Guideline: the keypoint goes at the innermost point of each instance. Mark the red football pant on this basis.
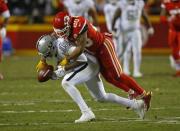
(0, 48)
(174, 43)
(111, 69)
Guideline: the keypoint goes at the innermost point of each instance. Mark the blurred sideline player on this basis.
(58, 5)
(85, 69)
(85, 8)
(109, 10)
(4, 11)
(130, 12)
(172, 8)
(81, 32)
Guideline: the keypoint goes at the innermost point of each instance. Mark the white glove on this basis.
(151, 31)
(3, 32)
(60, 72)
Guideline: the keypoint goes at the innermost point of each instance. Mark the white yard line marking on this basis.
(102, 120)
(68, 110)
(26, 102)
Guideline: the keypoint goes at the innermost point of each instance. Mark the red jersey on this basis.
(95, 38)
(173, 9)
(3, 6)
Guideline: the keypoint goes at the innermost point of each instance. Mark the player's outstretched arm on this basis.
(80, 46)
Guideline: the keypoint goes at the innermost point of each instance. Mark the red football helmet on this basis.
(62, 24)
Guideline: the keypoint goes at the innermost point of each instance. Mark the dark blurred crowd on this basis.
(37, 9)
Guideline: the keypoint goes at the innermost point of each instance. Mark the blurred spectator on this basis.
(37, 11)
(18, 8)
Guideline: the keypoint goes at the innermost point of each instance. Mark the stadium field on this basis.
(27, 105)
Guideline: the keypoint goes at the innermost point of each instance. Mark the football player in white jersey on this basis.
(131, 12)
(109, 10)
(85, 8)
(84, 70)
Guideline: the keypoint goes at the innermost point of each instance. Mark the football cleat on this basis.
(1, 77)
(138, 107)
(137, 75)
(172, 62)
(147, 100)
(86, 116)
(177, 74)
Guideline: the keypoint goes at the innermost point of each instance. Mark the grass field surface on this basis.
(27, 105)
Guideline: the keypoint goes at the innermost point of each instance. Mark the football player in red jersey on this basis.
(172, 8)
(87, 38)
(4, 11)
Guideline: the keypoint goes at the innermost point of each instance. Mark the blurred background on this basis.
(32, 18)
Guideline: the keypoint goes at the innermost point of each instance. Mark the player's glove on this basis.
(3, 32)
(64, 62)
(151, 31)
(60, 72)
(41, 65)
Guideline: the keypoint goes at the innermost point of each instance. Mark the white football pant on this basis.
(133, 46)
(94, 84)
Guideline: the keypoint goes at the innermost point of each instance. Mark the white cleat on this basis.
(139, 108)
(172, 62)
(137, 75)
(1, 77)
(86, 116)
(127, 72)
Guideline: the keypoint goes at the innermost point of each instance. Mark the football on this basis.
(45, 73)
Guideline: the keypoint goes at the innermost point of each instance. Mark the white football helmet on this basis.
(44, 46)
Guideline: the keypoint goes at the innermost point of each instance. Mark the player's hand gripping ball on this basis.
(45, 73)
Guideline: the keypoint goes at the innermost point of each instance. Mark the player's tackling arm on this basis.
(80, 46)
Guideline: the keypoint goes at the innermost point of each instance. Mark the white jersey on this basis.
(131, 14)
(109, 11)
(80, 9)
(86, 71)
(63, 48)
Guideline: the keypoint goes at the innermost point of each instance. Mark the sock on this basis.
(120, 85)
(126, 61)
(110, 97)
(137, 62)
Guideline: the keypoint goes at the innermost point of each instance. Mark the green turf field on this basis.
(26, 105)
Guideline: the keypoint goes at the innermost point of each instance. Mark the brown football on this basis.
(45, 73)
